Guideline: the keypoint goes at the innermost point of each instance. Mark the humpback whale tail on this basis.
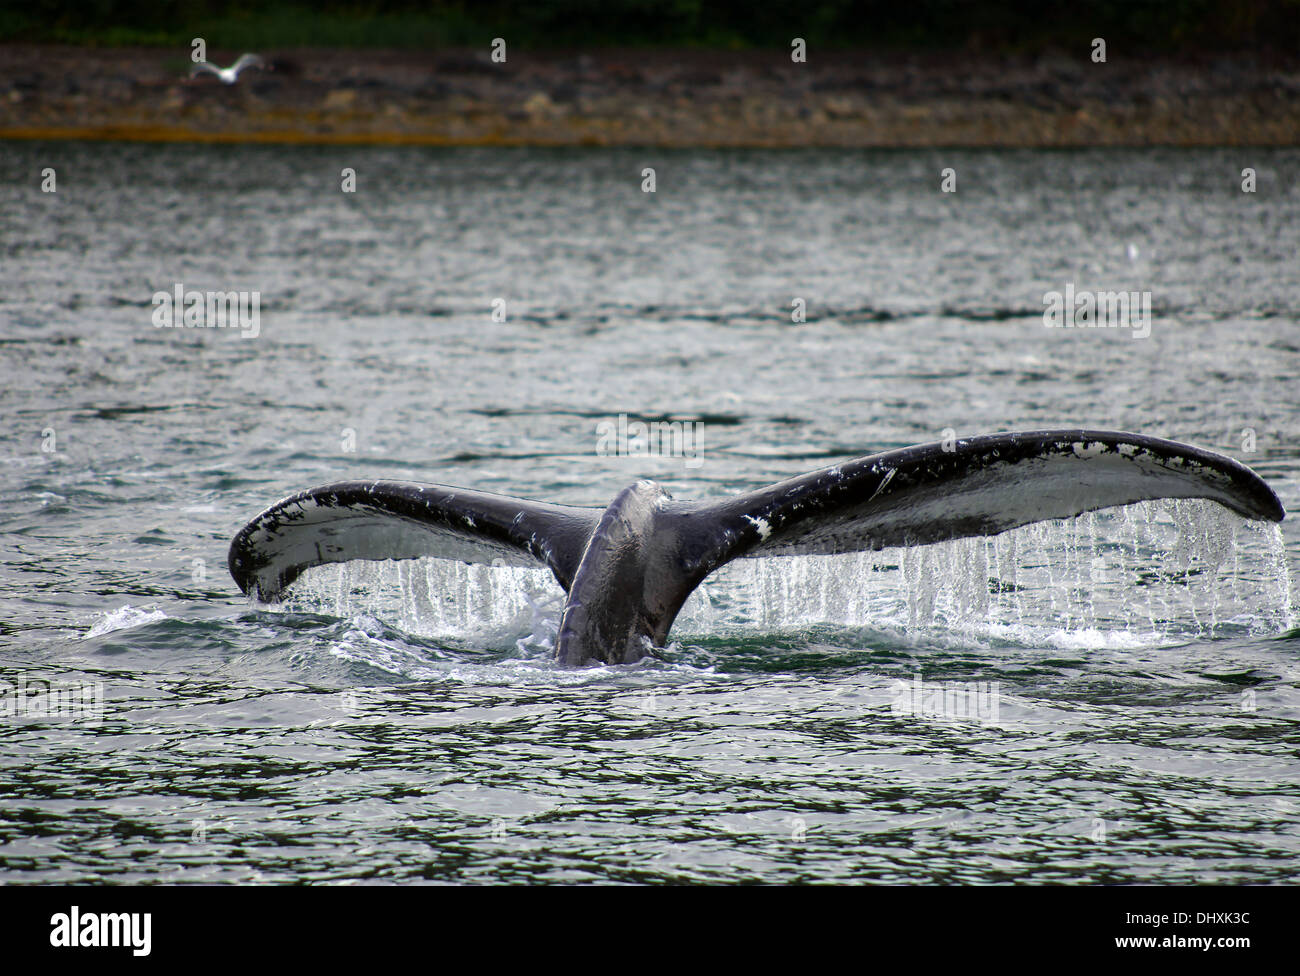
(627, 569)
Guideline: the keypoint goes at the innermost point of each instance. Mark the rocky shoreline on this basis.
(661, 98)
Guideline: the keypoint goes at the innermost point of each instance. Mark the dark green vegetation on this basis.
(1021, 25)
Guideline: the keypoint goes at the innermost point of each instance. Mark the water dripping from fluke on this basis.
(1147, 574)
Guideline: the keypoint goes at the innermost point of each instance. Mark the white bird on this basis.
(228, 75)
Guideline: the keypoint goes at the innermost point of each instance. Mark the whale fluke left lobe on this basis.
(401, 520)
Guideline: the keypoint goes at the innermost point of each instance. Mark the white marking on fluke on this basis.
(886, 480)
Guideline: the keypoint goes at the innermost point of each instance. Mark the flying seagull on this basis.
(231, 74)
(627, 569)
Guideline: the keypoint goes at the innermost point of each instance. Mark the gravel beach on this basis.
(664, 98)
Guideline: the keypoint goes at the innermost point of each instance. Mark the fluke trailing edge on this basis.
(628, 569)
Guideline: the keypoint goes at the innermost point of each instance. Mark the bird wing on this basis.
(247, 61)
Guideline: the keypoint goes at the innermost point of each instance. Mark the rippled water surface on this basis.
(1111, 699)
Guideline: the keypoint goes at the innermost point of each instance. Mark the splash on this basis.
(124, 617)
(1152, 572)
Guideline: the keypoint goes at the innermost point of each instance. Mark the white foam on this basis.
(123, 618)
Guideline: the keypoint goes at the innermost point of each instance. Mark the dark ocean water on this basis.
(1111, 699)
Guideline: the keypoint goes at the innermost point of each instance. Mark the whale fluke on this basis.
(627, 569)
